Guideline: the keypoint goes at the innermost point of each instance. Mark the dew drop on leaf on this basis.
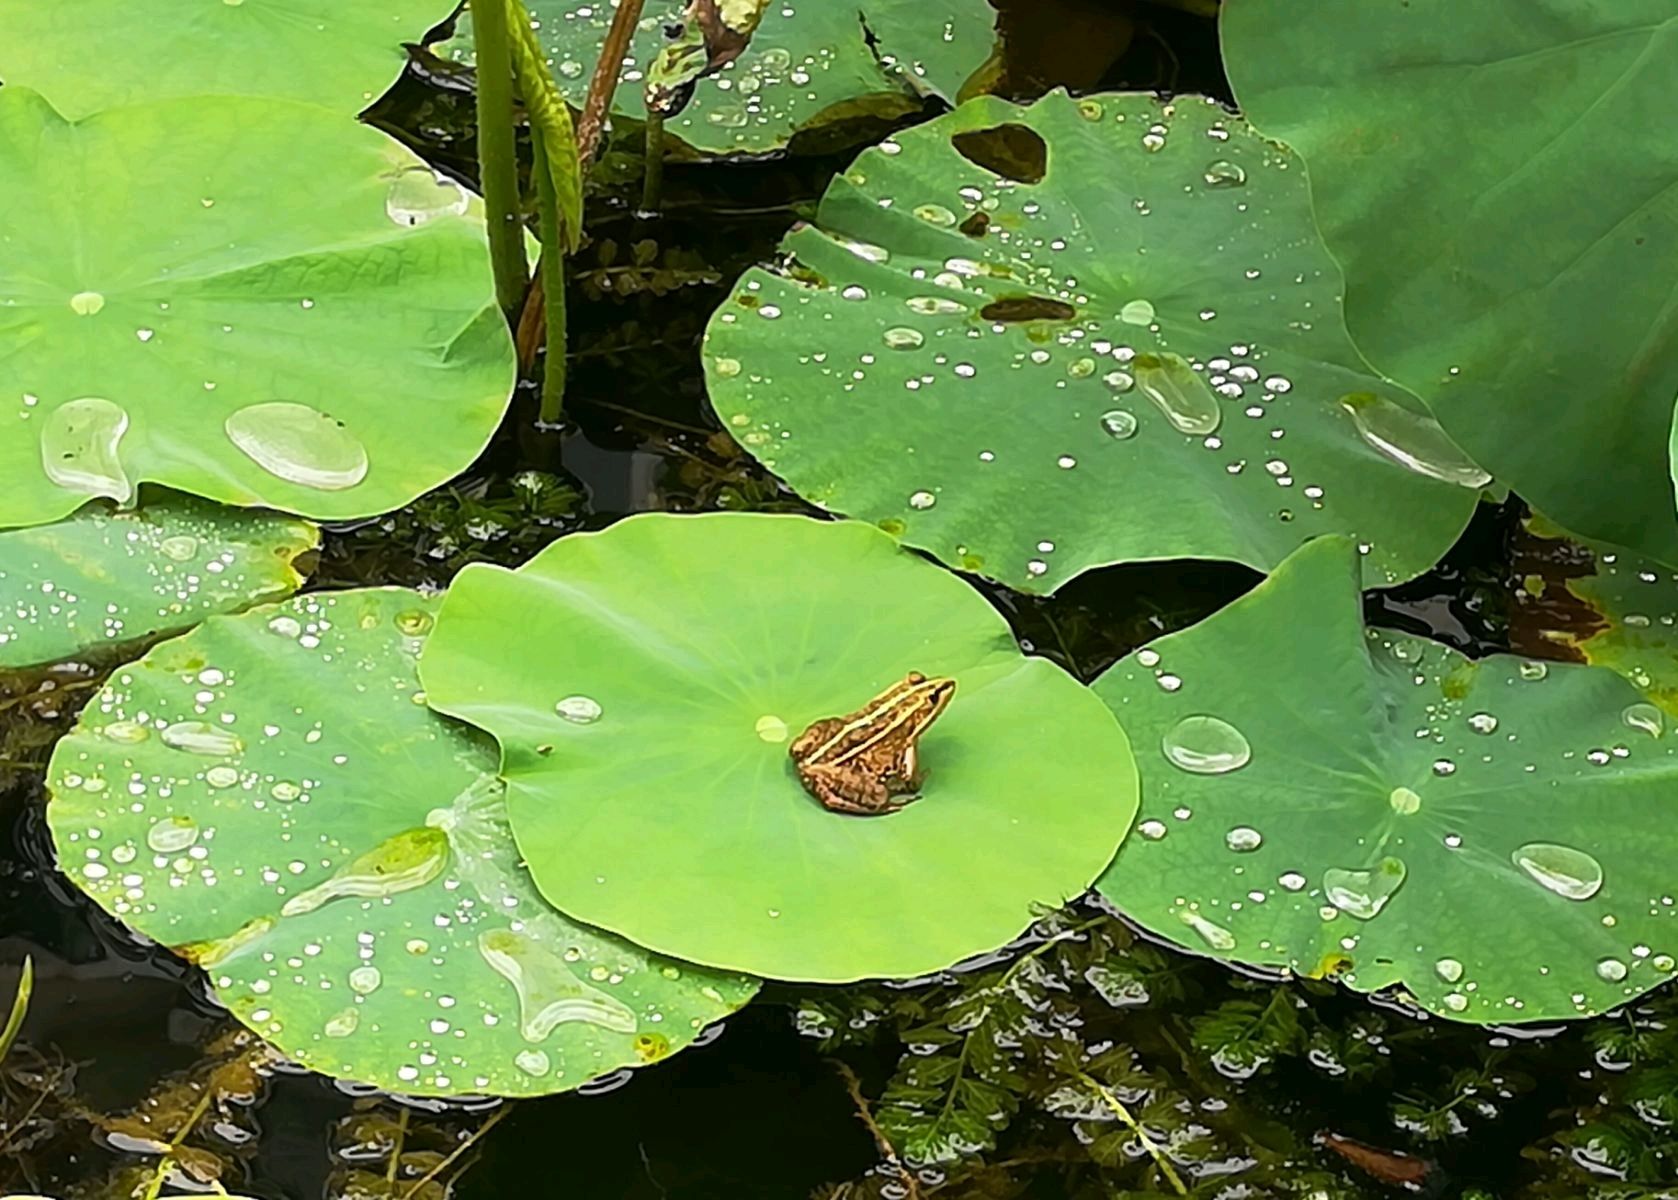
(172, 834)
(549, 994)
(1179, 392)
(299, 444)
(1137, 312)
(1213, 934)
(1206, 745)
(79, 448)
(579, 710)
(1448, 969)
(1611, 969)
(1644, 717)
(1563, 870)
(200, 737)
(1364, 893)
(902, 337)
(1412, 440)
(1118, 424)
(1243, 839)
(1224, 174)
(418, 195)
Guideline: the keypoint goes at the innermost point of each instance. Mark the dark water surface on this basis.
(1265, 1088)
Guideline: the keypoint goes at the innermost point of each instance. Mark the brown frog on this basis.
(863, 762)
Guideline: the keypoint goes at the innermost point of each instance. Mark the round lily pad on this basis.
(809, 62)
(1539, 330)
(646, 683)
(336, 363)
(1036, 340)
(1494, 836)
(108, 578)
(89, 55)
(269, 796)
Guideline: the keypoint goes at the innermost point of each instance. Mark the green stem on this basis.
(552, 267)
(652, 182)
(498, 169)
(20, 1006)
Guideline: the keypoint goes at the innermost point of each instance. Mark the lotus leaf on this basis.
(1139, 355)
(1495, 836)
(336, 363)
(269, 796)
(104, 578)
(810, 62)
(88, 55)
(1539, 328)
(645, 684)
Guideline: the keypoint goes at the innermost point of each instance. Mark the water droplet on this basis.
(922, 500)
(1611, 969)
(79, 448)
(1292, 881)
(533, 1062)
(1213, 934)
(1412, 440)
(299, 444)
(182, 547)
(1243, 839)
(1168, 682)
(1119, 424)
(1443, 767)
(549, 994)
(1561, 869)
(1483, 722)
(1152, 830)
(1645, 717)
(1179, 392)
(172, 834)
(934, 306)
(405, 861)
(579, 710)
(1404, 801)
(729, 116)
(1534, 671)
(364, 981)
(1455, 1001)
(1448, 969)
(220, 777)
(1066, 462)
(1206, 745)
(128, 733)
(1363, 894)
(200, 737)
(419, 194)
(902, 337)
(288, 627)
(285, 791)
(1137, 312)
(726, 368)
(341, 1024)
(1222, 173)
(935, 214)
(771, 728)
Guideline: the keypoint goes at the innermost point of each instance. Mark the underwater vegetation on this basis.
(867, 600)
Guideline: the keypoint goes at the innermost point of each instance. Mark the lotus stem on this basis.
(652, 182)
(20, 1006)
(550, 269)
(498, 172)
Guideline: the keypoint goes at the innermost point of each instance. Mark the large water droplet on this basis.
(1412, 440)
(1119, 424)
(1448, 969)
(401, 863)
(127, 732)
(80, 441)
(533, 1062)
(579, 710)
(1137, 312)
(1206, 745)
(419, 195)
(364, 981)
(172, 834)
(922, 500)
(1178, 391)
(549, 994)
(200, 737)
(1243, 839)
(1213, 934)
(1224, 174)
(1644, 717)
(1362, 894)
(1562, 869)
(1611, 969)
(299, 444)
(935, 214)
(902, 337)
(341, 1024)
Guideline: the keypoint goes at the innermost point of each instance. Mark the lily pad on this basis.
(105, 578)
(336, 363)
(810, 62)
(1494, 836)
(269, 796)
(1137, 356)
(89, 55)
(646, 682)
(1540, 331)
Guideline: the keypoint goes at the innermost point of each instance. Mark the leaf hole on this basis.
(1028, 308)
(1011, 151)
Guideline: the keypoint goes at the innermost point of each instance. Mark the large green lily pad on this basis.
(269, 796)
(336, 363)
(645, 683)
(89, 55)
(1495, 836)
(1540, 329)
(809, 63)
(1140, 356)
(104, 578)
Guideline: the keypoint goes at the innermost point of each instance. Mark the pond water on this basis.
(1251, 1086)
